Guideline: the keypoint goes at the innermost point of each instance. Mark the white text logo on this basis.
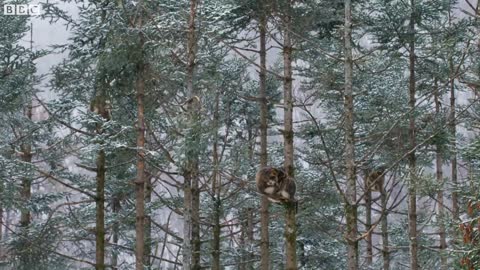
(22, 10)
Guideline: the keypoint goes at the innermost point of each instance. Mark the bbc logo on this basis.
(22, 10)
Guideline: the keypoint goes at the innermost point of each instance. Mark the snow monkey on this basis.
(276, 185)
(375, 179)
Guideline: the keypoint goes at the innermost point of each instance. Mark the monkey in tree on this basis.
(375, 179)
(276, 185)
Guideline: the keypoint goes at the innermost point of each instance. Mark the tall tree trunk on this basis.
(412, 196)
(385, 248)
(215, 192)
(264, 237)
(242, 242)
(115, 231)
(351, 192)
(453, 128)
(148, 226)
(439, 175)
(453, 131)
(249, 236)
(191, 245)
(25, 193)
(216, 235)
(1, 218)
(140, 178)
(1, 226)
(290, 219)
(368, 221)
(100, 213)
(99, 106)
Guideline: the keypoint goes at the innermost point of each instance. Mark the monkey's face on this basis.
(272, 179)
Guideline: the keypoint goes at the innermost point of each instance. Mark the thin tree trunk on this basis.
(8, 222)
(290, 219)
(140, 179)
(216, 195)
(216, 235)
(368, 221)
(196, 219)
(191, 245)
(187, 223)
(1, 227)
(385, 249)
(351, 192)
(242, 242)
(1, 220)
(412, 196)
(453, 131)
(99, 106)
(251, 140)
(471, 177)
(196, 223)
(148, 226)
(250, 232)
(291, 236)
(100, 213)
(25, 193)
(439, 175)
(264, 215)
(115, 231)
(25, 215)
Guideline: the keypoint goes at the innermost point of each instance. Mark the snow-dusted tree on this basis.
(26, 148)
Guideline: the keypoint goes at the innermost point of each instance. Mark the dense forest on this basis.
(140, 148)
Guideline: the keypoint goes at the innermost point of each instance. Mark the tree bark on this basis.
(385, 249)
(8, 222)
(115, 231)
(215, 192)
(148, 226)
(191, 244)
(453, 131)
(140, 178)
(216, 235)
(99, 106)
(351, 192)
(412, 196)
(1, 226)
(25, 193)
(242, 265)
(290, 207)
(100, 213)
(264, 214)
(439, 176)
(249, 236)
(1, 219)
(368, 221)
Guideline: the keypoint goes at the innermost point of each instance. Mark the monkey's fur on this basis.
(276, 185)
(375, 180)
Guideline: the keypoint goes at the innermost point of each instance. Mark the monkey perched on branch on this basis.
(276, 185)
(375, 180)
